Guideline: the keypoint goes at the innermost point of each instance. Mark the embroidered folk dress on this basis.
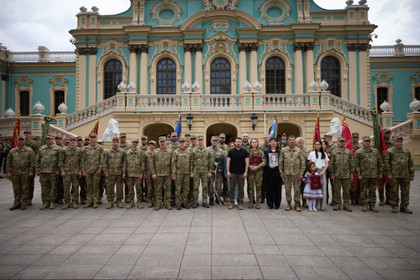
(309, 193)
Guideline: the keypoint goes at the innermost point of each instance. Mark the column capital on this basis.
(4, 77)
(298, 46)
(253, 46)
(243, 46)
(309, 46)
(133, 48)
(198, 47)
(84, 51)
(352, 47)
(144, 48)
(188, 47)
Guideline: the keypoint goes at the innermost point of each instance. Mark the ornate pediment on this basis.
(220, 4)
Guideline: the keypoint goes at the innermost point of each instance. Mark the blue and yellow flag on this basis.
(273, 129)
(178, 128)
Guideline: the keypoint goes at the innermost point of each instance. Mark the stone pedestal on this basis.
(415, 131)
(61, 120)
(314, 100)
(325, 100)
(36, 124)
(130, 101)
(195, 101)
(186, 101)
(258, 100)
(120, 101)
(387, 119)
(247, 101)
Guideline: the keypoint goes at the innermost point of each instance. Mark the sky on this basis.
(27, 24)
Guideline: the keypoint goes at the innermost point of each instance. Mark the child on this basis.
(313, 187)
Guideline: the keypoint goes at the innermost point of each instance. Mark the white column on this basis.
(298, 68)
(133, 64)
(352, 74)
(253, 64)
(199, 65)
(242, 66)
(188, 65)
(144, 71)
(309, 64)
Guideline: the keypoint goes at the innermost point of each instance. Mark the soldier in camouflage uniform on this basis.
(47, 167)
(125, 146)
(181, 174)
(160, 168)
(70, 166)
(112, 167)
(192, 146)
(342, 171)
(20, 166)
(60, 185)
(174, 143)
(301, 145)
(202, 162)
(329, 148)
(255, 173)
(219, 158)
(92, 169)
(222, 144)
(133, 170)
(368, 164)
(34, 146)
(355, 195)
(400, 170)
(144, 147)
(150, 183)
(82, 179)
(385, 191)
(292, 166)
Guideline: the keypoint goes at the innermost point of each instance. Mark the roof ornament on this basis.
(220, 4)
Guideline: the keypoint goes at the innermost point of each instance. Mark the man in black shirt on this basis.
(237, 169)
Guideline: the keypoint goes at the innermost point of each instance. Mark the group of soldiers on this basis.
(170, 172)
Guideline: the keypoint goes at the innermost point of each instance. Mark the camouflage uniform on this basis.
(329, 149)
(91, 163)
(218, 156)
(368, 164)
(292, 164)
(355, 195)
(34, 146)
(399, 164)
(202, 162)
(60, 184)
(385, 191)
(160, 164)
(20, 162)
(150, 184)
(82, 181)
(342, 168)
(225, 149)
(134, 165)
(255, 177)
(47, 163)
(125, 147)
(112, 166)
(70, 162)
(143, 182)
(181, 169)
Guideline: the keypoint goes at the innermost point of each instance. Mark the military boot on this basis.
(168, 206)
(95, 204)
(178, 207)
(257, 204)
(87, 205)
(66, 206)
(211, 201)
(373, 208)
(74, 205)
(289, 206)
(23, 206)
(240, 206)
(119, 204)
(230, 206)
(52, 205)
(150, 204)
(337, 207)
(406, 210)
(127, 200)
(297, 207)
(194, 205)
(29, 202)
(158, 206)
(364, 208)
(45, 205)
(110, 205)
(394, 210)
(347, 207)
(206, 205)
(251, 204)
(130, 205)
(139, 205)
(14, 207)
(305, 203)
(381, 202)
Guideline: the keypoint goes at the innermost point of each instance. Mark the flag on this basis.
(95, 128)
(349, 145)
(317, 134)
(178, 128)
(45, 128)
(272, 133)
(379, 143)
(16, 132)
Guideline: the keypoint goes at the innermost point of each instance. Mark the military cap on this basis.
(123, 134)
(174, 134)
(187, 134)
(193, 136)
(214, 138)
(58, 137)
(327, 136)
(100, 141)
(143, 137)
(355, 134)
(21, 137)
(284, 134)
(152, 142)
(366, 138)
(135, 140)
(182, 139)
(28, 131)
(115, 138)
(387, 130)
(79, 138)
(222, 135)
(67, 139)
(200, 137)
(87, 138)
(398, 138)
(162, 138)
(72, 138)
(93, 135)
(341, 139)
(49, 136)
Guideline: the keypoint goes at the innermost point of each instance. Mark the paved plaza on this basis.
(214, 243)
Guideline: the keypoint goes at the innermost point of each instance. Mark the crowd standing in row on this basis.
(80, 170)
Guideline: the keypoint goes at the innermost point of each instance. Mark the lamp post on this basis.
(254, 120)
(189, 121)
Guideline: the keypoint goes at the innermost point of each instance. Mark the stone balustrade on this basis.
(350, 109)
(158, 103)
(288, 102)
(403, 129)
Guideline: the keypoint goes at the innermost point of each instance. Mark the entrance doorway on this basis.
(290, 129)
(216, 129)
(153, 131)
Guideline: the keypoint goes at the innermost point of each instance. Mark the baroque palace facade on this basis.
(194, 58)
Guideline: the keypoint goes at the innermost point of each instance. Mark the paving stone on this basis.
(195, 272)
(114, 272)
(34, 272)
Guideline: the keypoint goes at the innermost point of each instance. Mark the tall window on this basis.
(220, 76)
(58, 99)
(113, 76)
(275, 76)
(24, 103)
(330, 72)
(166, 77)
(417, 93)
(381, 96)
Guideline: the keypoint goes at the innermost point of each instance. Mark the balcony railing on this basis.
(387, 51)
(48, 57)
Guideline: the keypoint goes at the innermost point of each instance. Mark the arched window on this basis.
(220, 76)
(58, 99)
(112, 77)
(330, 72)
(166, 77)
(24, 103)
(275, 76)
(381, 96)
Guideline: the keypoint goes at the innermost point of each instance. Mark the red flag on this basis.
(349, 145)
(16, 132)
(317, 134)
(95, 128)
